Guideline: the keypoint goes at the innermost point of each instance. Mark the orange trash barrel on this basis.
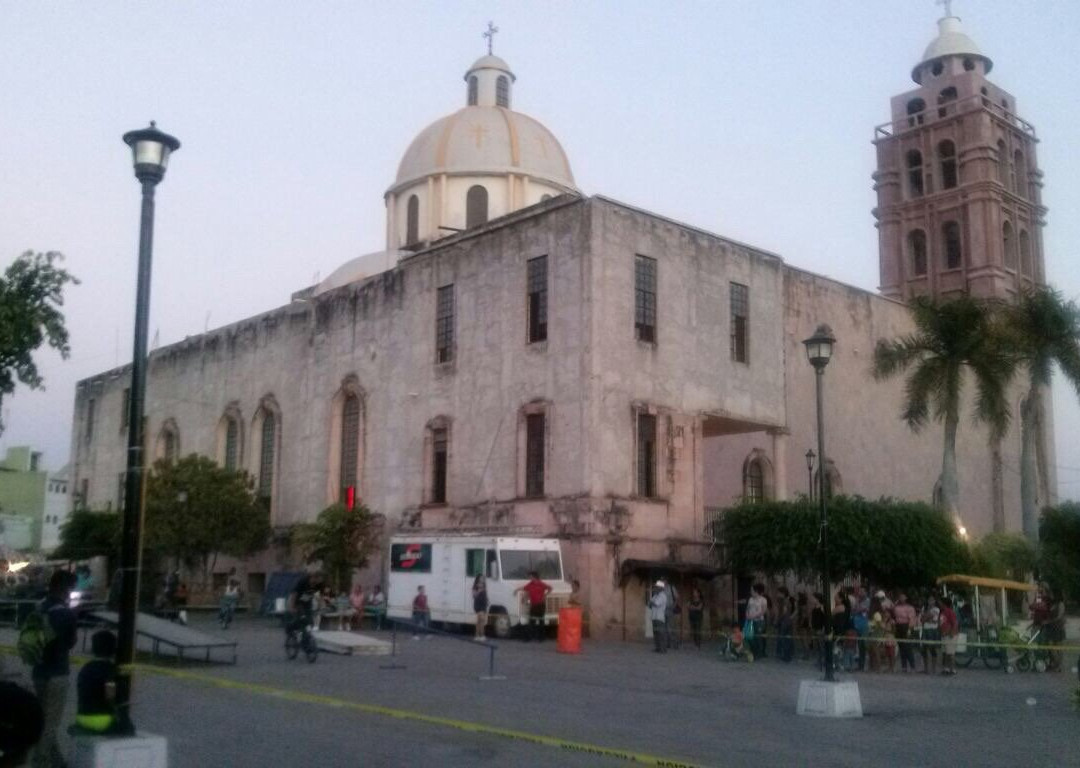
(569, 637)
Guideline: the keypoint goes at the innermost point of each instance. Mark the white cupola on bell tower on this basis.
(479, 163)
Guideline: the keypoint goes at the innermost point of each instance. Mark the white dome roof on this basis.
(482, 140)
(490, 62)
(359, 268)
(951, 41)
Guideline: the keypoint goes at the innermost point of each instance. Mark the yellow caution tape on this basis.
(629, 756)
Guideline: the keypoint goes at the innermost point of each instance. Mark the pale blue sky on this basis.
(749, 119)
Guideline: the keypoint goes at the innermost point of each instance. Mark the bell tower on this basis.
(958, 186)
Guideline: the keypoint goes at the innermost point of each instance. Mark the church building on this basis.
(523, 357)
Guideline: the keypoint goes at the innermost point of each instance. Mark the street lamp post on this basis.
(150, 153)
(810, 472)
(819, 349)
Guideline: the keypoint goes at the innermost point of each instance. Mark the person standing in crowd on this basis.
(930, 619)
(785, 623)
(480, 605)
(673, 608)
(875, 651)
(658, 614)
(1055, 628)
(356, 602)
(695, 610)
(421, 614)
(802, 625)
(50, 673)
(905, 619)
(96, 686)
(376, 602)
(842, 632)
(860, 621)
(949, 627)
(537, 592)
(756, 607)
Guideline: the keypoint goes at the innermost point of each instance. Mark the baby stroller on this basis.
(1029, 656)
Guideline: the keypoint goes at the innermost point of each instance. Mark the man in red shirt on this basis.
(536, 591)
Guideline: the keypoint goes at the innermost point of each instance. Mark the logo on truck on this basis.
(411, 558)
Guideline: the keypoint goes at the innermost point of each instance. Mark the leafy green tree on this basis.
(1059, 555)
(196, 510)
(951, 338)
(1003, 556)
(89, 534)
(1042, 329)
(341, 539)
(31, 293)
(894, 543)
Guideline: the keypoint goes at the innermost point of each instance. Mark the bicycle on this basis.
(992, 656)
(300, 637)
(226, 611)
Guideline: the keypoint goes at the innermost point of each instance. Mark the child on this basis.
(736, 643)
(97, 686)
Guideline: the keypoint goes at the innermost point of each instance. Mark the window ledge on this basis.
(649, 345)
(539, 347)
(434, 505)
(449, 368)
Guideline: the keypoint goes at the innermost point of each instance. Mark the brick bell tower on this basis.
(958, 187)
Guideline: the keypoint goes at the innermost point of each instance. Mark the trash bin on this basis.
(569, 637)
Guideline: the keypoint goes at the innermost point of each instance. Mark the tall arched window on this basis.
(232, 444)
(954, 255)
(412, 220)
(915, 173)
(502, 92)
(1008, 244)
(915, 109)
(168, 442)
(1020, 171)
(473, 90)
(1002, 163)
(754, 483)
(267, 446)
(947, 156)
(947, 96)
(1027, 267)
(350, 442)
(917, 249)
(476, 206)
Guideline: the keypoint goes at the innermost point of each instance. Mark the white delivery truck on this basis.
(446, 565)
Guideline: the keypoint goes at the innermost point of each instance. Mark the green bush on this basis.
(894, 543)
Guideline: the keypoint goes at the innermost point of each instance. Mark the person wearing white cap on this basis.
(657, 611)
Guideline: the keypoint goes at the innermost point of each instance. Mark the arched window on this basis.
(437, 460)
(476, 206)
(917, 249)
(754, 483)
(267, 440)
(474, 88)
(954, 255)
(1027, 268)
(1019, 173)
(412, 220)
(915, 109)
(230, 438)
(1008, 243)
(502, 92)
(350, 443)
(947, 96)
(915, 173)
(947, 156)
(1002, 163)
(168, 442)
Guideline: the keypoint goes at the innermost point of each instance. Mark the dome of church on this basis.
(951, 41)
(486, 140)
(478, 163)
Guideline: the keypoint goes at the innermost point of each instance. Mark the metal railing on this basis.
(949, 109)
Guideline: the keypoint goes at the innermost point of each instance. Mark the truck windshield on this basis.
(518, 563)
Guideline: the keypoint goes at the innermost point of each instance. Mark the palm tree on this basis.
(950, 337)
(1042, 329)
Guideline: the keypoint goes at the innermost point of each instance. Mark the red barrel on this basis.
(569, 638)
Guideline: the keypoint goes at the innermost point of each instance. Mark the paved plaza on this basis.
(686, 706)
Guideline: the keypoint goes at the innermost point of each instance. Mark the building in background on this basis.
(33, 503)
(524, 358)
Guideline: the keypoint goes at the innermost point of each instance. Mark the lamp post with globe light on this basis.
(819, 349)
(150, 150)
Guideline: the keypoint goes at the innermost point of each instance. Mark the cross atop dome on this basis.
(947, 4)
(490, 35)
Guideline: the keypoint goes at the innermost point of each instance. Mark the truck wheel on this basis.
(500, 625)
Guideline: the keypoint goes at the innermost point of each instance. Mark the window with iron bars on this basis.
(645, 298)
(439, 446)
(444, 325)
(350, 442)
(537, 298)
(535, 427)
(646, 464)
(740, 321)
(232, 444)
(266, 457)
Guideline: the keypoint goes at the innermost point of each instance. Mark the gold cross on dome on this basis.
(490, 35)
(947, 5)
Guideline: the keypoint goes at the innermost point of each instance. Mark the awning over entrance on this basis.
(648, 569)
